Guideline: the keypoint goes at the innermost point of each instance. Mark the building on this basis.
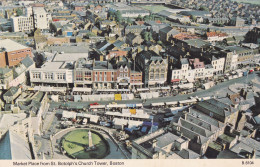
(245, 55)
(132, 39)
(153, 66)
(231, 59)
(136, 29)
(6, 76)
(204, 123)
(12, 53)
(35, 17)
(21, 72)
(191, 70)
(216, 36)
(17, 142)
(58, 72)
(41, 18)
(237, 21)
(166, 33)
(162, 144)
(218, 64)
(253, 36)
(12, 94)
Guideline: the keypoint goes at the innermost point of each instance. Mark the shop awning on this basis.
(176, 80)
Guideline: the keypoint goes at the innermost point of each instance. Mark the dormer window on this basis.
(121, 69)
(126, 69)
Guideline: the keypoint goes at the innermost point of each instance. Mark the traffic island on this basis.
(84, 144)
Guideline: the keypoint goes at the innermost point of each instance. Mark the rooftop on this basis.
(10, 45)
(61, 57)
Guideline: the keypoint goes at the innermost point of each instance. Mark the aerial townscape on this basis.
(129, 79)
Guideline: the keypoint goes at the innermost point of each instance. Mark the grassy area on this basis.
(75, 142)
(226, 138)
(154, 8)
(257, 2)
(215, 146)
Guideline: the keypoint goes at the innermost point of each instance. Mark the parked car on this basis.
(94, 104)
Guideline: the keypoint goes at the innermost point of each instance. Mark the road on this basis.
(220, 90)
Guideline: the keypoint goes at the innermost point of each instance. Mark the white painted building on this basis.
(22, 24)
(52, 73)
(218, 64)
(188, 73)
(41, 18)
(231, 61)
(36, 17)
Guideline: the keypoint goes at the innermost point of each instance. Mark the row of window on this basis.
(22, 51)
(59, 76)
(17, 59)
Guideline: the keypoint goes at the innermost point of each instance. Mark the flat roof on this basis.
(52, 65)
(69, 56)
(10, 119)
(10, 45)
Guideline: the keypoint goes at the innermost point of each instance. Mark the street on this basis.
(220, 90)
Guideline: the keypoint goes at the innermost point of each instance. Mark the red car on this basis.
(94, 104)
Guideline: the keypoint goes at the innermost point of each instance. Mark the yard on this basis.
(75, 142)
(154, 8)
(257, 2)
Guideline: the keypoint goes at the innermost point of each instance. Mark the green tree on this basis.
(193, 18)
(139, 18)
(203, 8)
(118, 16)
(129, 21)
(110, 14)
(19, 12)
(146, 18)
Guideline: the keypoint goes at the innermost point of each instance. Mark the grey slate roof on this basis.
(11, 91)
(188, 154)
(166, 139)
(27, 62)
(3, 71)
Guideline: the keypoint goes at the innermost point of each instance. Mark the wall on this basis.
(2, 59)
(15, 57)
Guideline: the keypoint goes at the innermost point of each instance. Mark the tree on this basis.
(139, 18)
(118, 16)
(193, 18)
(146, 18)
(110, 14)
(147, 36)
(19, 12)
(129, 21)
(203, 8)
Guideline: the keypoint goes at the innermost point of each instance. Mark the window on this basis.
(100, 76)
(126, 69)
(87, 75)
(125, 75)
(79, 76)
(61, 76)
(48, 75)
(36, 75)
(162, 76)
(151, 76)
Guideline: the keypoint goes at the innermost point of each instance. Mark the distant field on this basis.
(154, 8)
(249, 1)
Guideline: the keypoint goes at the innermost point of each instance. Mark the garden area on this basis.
(76, 142)
(155, 8)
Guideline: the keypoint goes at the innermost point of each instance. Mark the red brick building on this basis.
(116, 53)
(12, 53)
